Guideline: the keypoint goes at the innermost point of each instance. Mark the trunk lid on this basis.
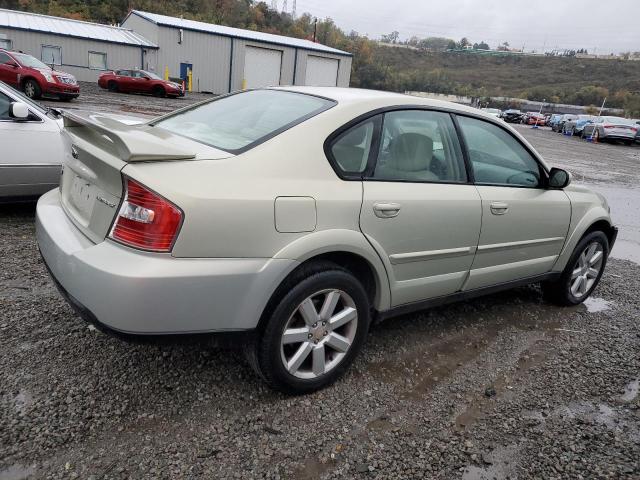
(97, 148)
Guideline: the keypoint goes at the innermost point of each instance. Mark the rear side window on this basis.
(352, 148)
(238, 122)
(420, 146)
(497, 157)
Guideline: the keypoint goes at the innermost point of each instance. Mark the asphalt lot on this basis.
(505, 386)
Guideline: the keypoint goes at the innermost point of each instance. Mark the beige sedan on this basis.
(300, 215)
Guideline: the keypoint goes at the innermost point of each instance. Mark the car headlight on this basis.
(47, 76)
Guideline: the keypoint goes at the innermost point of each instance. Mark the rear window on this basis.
(239, 122)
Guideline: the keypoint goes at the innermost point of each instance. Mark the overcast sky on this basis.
(609, 26)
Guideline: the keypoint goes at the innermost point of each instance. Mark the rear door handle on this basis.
(499, 208)
(386, 210)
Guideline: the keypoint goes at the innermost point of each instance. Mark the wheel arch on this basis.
(596, 219)
(346, 248)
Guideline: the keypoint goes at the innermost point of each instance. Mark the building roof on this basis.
(71, 28)
(185, 24)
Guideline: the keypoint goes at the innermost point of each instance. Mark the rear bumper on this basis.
(132, 292)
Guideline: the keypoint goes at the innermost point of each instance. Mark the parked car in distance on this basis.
(567, 117)
(35, 78)
(534, 118)
(553, 120)
(493, 111)
(611, 128)
(32, 147)
(512, 116)
(637, 121)
(575, 125)
(297, 215)
(139, 81)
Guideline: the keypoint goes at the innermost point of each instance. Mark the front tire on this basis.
(313, 331)
(159, 92)
(582, 273)
(32, 89)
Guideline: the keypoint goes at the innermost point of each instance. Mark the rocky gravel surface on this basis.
(503, 387)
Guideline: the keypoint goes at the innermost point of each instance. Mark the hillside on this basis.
(566, 79)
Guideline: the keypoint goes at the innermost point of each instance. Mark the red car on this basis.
(35, 78)
(139, 81)
(535, 118)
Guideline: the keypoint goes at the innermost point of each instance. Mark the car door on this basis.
(124, 80)
(524, 223)
(31, 153)
(9, 73)
(419, 212)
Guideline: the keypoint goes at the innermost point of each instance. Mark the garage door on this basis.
(321, 72)
(262, 67)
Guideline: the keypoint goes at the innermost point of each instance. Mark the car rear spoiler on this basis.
(130, 143)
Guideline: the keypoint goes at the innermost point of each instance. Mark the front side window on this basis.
(352, 148)
(236, 123)
(97, 61)
(5, 103)
(497, 157)
(51, 55)
(419, 146)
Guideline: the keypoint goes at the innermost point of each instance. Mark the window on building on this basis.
(97, 61)
(5, 43)
(51, 55)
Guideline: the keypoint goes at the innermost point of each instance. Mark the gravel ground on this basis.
(501, 387)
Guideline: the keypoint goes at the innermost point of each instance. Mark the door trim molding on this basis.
(522, 243)
(400, 258)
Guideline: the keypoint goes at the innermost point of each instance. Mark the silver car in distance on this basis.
(302, 214)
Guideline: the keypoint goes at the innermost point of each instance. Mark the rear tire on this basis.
(112, 86)
(326, 312)
(32, 89)
(582, 272)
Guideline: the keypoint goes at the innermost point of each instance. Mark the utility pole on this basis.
(315, 29)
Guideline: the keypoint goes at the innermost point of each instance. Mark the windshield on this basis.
(29, 61)
(238, 122)
(23, 98)
(152, 75)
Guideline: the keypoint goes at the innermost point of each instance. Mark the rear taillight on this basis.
(146, 220)
(608, 126)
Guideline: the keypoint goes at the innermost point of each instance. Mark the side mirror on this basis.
(19, 111)
(559, 178)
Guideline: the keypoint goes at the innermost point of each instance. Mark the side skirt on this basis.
(466, 295)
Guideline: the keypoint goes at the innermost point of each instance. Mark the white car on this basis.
(492, 111)
(32, 147)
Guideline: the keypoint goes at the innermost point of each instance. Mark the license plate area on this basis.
(82, 197)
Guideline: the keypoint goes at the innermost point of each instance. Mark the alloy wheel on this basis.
(319, 333)
(29, 90)
(587, 269)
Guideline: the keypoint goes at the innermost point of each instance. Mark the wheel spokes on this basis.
(575, 287)
(338, 342)
(342, 318)
(592, 272)
(299, 357)
(576, 273)
(295, 335)
(308, 312)
(318, 362)
(329, 305)
(595, 258)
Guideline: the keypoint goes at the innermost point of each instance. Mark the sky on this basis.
(603, 26)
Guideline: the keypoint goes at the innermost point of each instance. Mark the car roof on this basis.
(373, 98)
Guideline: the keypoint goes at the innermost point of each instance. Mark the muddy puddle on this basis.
(16, 472)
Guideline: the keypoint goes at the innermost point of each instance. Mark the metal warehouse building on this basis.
(80, 48)
(223, 59)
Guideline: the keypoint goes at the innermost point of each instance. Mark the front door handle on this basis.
(386, 210)
(499, 208)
